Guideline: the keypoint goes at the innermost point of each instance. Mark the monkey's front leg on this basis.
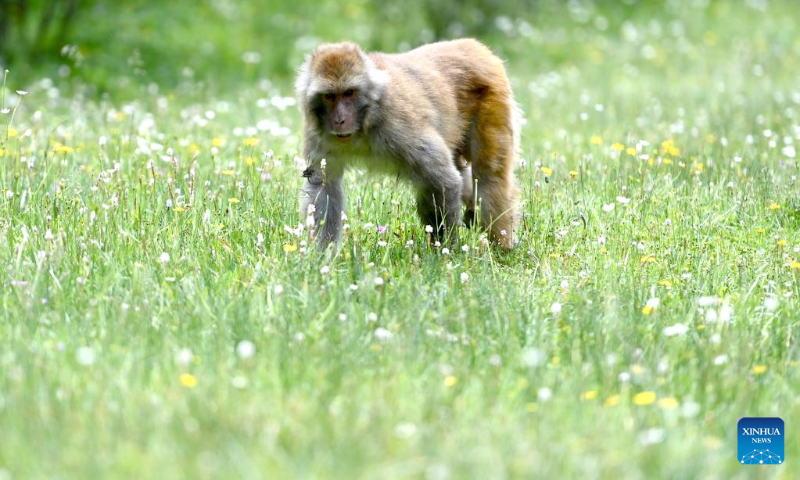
(324, 191)
(439, 200)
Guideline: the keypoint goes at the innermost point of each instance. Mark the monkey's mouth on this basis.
(343, 136)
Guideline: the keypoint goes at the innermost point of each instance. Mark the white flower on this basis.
(464, 277)
(372, 317)
(382, 333)
(21, 93)
(544, 394)
(342, 317)
(164, 258)
(85, 356)
(555, 308)
(623, 200)
(245, 349)
(652, 436)
(532, 357)
(278, 289)
(465, 248)
(677, 329)
(707, 301)
(601, 239)
(445, 251)
(653, 303)
(607, 207)
(720, 359)
(184, 357)
(771, 303)
(428, 229)
(789, 151)
(379, 281)
(325, 270)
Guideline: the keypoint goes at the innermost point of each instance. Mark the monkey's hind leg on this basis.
(493, 167)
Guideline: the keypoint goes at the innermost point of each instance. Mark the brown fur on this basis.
(441, 112)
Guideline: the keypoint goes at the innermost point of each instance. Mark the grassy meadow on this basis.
(162, 314)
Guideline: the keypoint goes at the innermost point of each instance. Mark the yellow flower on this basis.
(795, 265)
(194, 148)
(710, 138)
(668, 147)
(759, 369)
(547, 171)
(179, 209)
(250, 142)
(249, 160)
(64, 149)
(12, 132)
(450, 381)
(774, 206)
(665, 283)
(611, 401)
(217, 142)
(289, 248)
(596, 140)
(188, 380)
(760, 230)
(644, 398)
(233, 200)
(573, 173)
(589, 395)
(555, 360)
(2, 152)
(631, 151)
(229, 172)
(647, 259)
(667, 161)
(781, 243)
(618, 147)
(700, 167)
(647, 310)
(668, 403)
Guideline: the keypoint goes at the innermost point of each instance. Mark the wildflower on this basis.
(618, 147)
(547, 171)
(245, 349)
(233, 201)
(217, 142)
(250, 142)
(720, 359)
(759, 369)
(187, 380)
(774, 206)
(12, 132)
(795, 265)
(665, 283)
(21, 93)
(781, 243)
(289, 247)
(630, 151)
(445, 251)
(164, 258)
(573, 173)
(184, 357)
(555, 308)
(85, 356)
(544, 394)
(589, 395)
(464, 277)
(64, 149)
(644, 398)
(623, 200)
(532, 357)
(647, 259)
(278, 289)
(382, 333)
(325, 270)
(677, 329)
(596, 140)
(428, 229)
(379, 281)
(608, 207)
(611, 401)
(450, 381)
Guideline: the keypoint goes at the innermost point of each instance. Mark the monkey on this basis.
(441, 116)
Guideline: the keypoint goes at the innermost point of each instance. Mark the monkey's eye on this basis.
(329, 97)
(349, 93)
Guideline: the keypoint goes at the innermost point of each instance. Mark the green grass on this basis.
(423, 375)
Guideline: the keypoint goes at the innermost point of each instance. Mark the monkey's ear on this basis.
(303, 81)
(377, 77)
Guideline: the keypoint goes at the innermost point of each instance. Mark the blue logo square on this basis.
(761, 441)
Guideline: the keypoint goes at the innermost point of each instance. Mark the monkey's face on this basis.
(339, 112)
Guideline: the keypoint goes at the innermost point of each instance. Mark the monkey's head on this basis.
(336, 86)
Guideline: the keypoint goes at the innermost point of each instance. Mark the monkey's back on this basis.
(454, 77)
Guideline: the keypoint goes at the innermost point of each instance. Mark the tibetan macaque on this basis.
(441, 116)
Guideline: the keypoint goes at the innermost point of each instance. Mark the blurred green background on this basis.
(119, 46)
